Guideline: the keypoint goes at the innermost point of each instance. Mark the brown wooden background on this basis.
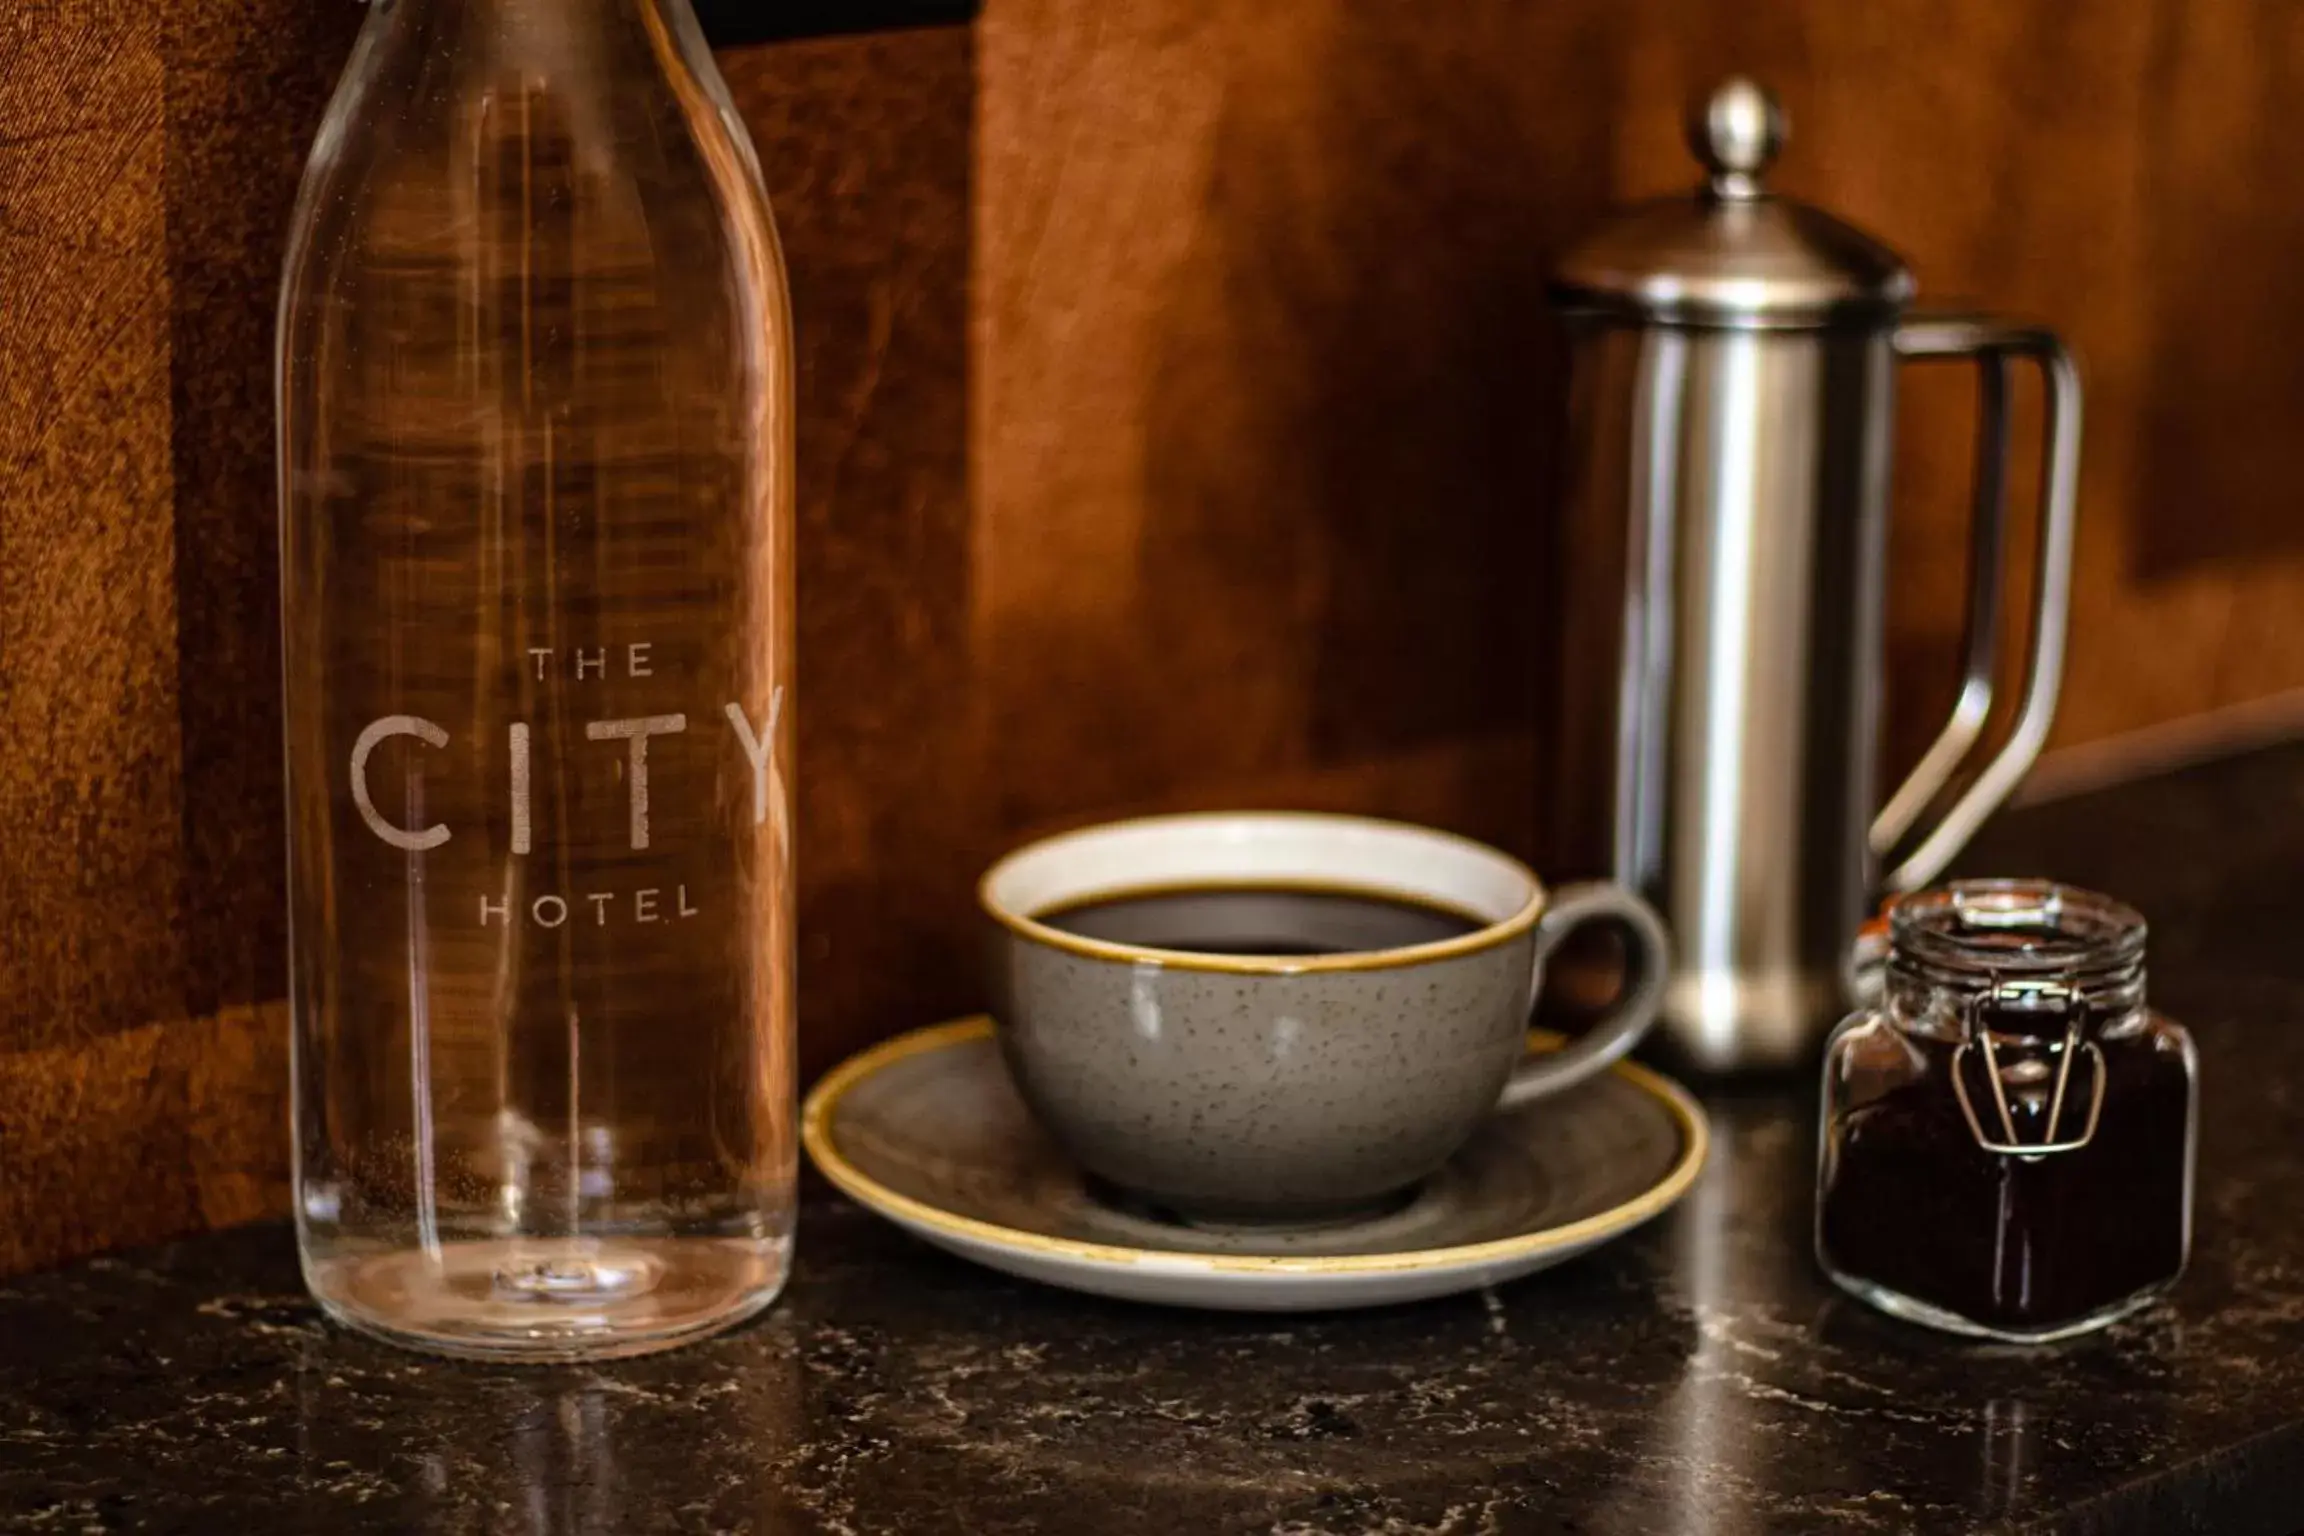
(1178, 402)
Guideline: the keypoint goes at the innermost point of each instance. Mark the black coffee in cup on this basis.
(1261, 920)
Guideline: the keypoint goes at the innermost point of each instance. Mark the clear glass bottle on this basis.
(535, 414)
(2009, 1133)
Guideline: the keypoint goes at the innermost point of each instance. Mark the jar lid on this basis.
(1734, 254)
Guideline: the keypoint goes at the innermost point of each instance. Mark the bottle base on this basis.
(1911, 1309)
(545, 1300)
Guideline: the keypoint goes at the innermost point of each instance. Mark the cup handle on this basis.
(1648, 957)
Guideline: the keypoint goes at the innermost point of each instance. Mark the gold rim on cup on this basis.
(1025, 926)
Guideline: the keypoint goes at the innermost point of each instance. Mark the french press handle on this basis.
(1995, 345)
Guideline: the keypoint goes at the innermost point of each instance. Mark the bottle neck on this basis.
(549, 15)
(544, 37)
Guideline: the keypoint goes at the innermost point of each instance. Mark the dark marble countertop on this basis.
(1698, 1378)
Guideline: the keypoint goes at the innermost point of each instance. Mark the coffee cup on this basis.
(1279, 1016)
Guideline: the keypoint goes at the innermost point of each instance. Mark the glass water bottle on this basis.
(535, 396)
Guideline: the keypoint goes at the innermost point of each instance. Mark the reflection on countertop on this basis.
(1698, 1378)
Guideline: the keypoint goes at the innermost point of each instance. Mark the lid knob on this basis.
(1733, 255)
(1736, 132)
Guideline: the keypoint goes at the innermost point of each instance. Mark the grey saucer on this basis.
(928, 1131)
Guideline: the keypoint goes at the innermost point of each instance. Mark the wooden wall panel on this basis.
(865, 143)
(243, 89)
(92, 795)
(1262, 366)
(1265, 393)
(126, 1109)
(1179, 409)
(1266, 396)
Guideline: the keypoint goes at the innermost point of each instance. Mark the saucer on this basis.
(928, 1130)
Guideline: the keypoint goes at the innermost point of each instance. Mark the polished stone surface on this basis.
(1698, 1378)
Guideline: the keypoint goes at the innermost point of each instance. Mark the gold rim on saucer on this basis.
(823, 1103)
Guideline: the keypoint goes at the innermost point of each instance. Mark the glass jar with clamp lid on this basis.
(2008, 1131)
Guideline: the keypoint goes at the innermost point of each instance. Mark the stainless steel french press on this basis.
(1733, 373)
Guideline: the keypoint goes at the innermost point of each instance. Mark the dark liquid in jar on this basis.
(1913, 1204)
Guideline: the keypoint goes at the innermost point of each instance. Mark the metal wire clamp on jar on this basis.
(2009, 1133)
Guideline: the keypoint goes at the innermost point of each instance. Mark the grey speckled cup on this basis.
(1289, 1088)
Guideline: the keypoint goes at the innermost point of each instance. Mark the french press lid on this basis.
(1734, 255)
